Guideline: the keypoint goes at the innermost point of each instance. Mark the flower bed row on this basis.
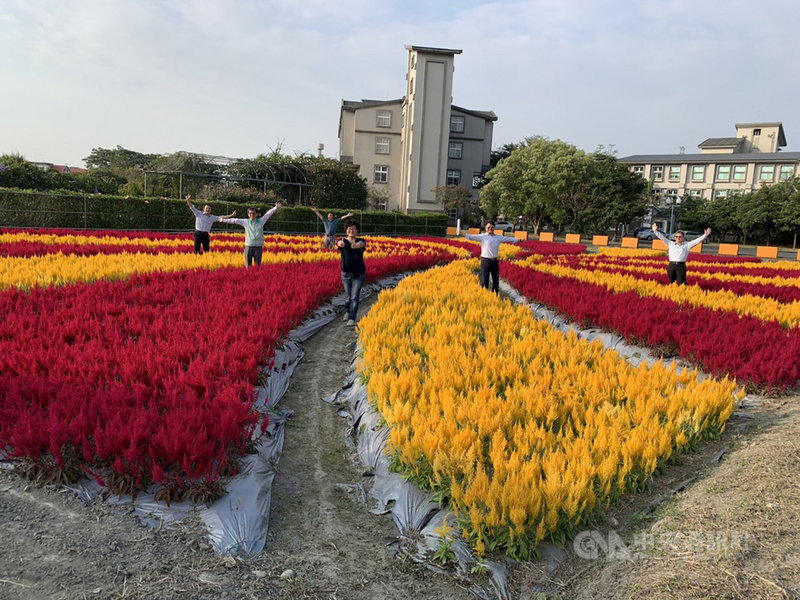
(761, 353)
(743, 267)
(58, 269)
(523, 431)
(729, 300)
(784, 289)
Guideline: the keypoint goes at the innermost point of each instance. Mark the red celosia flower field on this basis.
(150, 378)
(735, 317)
(126, 358)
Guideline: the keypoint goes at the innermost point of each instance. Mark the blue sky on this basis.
(239, 78)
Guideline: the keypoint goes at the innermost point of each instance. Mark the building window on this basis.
(382, 145)
(724, 173)
(699, 173)
(737, 193)
(695, 193)
(456, 150)
(384, 118)
(638, 170)
(739, 172)
(756, 132)
(767, 173)
(720, 194)
(381, 174)
(453, 177)
(456, 124)
(674, 173)
(787, 172)
(672, 195)
(657, 172)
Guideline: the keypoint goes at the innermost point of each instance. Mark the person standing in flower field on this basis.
(678, 253)
(253, 233)
(354, 271)
(490, 247)
(202, 225)
(330, 224)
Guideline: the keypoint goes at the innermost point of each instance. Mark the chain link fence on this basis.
(95, 211)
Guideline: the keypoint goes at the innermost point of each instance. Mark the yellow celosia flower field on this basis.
(524, 431)
(766, 309)
(61, 268)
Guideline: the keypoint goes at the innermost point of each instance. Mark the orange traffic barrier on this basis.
(474, 231)
(696, 249)
(452, 231)
(767, 251)
(573, 238)
(630, 242)
(658, 244)
(547, 236)
(521, 235)
(600, 240)
(728, 250)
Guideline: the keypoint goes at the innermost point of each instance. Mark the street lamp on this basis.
(672, 201)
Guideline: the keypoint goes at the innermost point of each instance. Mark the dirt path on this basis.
(322, 543)
(318, 529)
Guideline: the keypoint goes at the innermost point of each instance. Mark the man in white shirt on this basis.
(678, 253)
(202, 225)
(490, 246)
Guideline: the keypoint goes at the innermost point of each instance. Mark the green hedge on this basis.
(79, 211)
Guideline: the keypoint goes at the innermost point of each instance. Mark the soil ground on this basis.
(730, 532)
(721, 523)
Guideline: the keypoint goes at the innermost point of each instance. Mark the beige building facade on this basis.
(725, 167)
(406, 148)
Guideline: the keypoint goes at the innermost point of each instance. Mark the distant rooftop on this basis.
(483, 114)
(726, 142)
(428, 50)
(351, 105)
(744, 157)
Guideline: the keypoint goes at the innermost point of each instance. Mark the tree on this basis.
(756, 213)
(787, 199)
(105, 181)
(119, 158)
(16, 172)
(503, 152)
(188, 163)
(285, 175)
(692, 213)
(541, 180)
(721, 216)
(617, 195)
(335, 184)
(457, 197)
(378, 197)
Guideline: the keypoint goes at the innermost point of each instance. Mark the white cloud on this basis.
(237, 77)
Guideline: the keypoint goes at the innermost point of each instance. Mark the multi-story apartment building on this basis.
(410, 146)
(724, 167)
